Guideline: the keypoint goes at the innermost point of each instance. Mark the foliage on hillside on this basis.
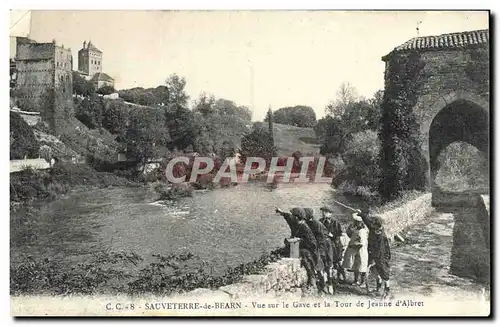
(29, 185)
(289, 139)
(212, 126)
(23, 142)
(298, 116)
(348, 135)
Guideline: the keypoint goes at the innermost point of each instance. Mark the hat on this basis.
(325, 209)
(298, 212)
(377, 221)
(309, 212)
(357, 217)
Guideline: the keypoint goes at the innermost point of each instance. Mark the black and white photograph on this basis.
(209, 163)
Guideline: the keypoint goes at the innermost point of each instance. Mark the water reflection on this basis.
(225, 227)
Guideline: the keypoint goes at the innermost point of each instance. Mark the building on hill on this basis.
(41, 70)
(102, 79)
(14, 41)
(90, 66)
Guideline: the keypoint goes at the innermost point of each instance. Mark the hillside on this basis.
(289, 139)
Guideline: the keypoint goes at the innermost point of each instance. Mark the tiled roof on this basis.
(92, 47)
(445, 41)
(102, 77)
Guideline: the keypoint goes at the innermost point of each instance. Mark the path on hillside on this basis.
(420, 267)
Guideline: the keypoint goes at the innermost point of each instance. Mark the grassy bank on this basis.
(117, 273)
(30, 185)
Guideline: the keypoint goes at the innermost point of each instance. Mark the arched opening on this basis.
(459, 166)
(454, 133)
(462, 168)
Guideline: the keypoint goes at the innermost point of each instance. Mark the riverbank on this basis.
(31, 185)
(112, 273)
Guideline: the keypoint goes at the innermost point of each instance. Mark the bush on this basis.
(104, 272)
(359, 166)
(300, 116)
(23, 142)
(172, 192)
(106, 90)
(49, 277)
(28, 185)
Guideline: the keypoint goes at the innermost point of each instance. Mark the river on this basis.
(225, 227)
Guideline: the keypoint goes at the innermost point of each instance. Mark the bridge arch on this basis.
(463, 119)
(442, 123)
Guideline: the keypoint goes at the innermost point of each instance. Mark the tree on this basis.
(161, 95)
(23, 142)
(345, 95)
(299, 115)
(176, 90)
(115, 117)
(106, 90)
(401, 161)
(145, 134)
(334, 131)
(226, 107)
(205, 104)
(257, 144)
(269, 118)
(361, 158)
(179, 121)
(81, 86)
(90, 110)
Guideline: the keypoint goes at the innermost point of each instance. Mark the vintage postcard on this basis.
(250, 163)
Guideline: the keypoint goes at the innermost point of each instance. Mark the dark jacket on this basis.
(318, 229)
(292, 222)
(379, 249)
(308, 240)
(333, 226)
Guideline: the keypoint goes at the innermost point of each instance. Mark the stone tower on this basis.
(44, 79)
(89, 60)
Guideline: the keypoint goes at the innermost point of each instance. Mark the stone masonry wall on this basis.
(281, 278)
(471, 246)
(44, 69)
(449, 75)
(414, 211)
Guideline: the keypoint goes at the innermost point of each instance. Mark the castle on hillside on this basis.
(90, 66)
(41, 71)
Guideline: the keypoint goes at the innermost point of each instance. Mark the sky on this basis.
(260, 59)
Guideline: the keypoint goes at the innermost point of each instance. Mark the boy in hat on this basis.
(335, 234)
(308, 245)
(324, 244)
(356, 255)
(291, 219)
(379, 251)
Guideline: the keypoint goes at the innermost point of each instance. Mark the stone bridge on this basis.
(453, 105)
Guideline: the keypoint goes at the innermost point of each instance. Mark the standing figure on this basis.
(291, 220)
(379, 251)
(308, 246)
(356, 255)
(325, 250)
(335, 233)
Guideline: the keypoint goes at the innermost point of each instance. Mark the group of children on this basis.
(325, 248)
